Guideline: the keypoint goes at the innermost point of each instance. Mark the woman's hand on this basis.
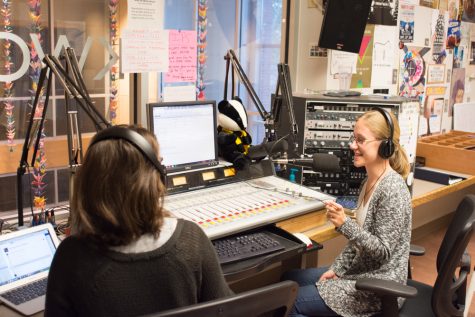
(328, 275)
(335, 213)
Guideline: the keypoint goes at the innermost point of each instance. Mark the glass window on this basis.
(253, 30)
(87, 26)
(259, 55)
(92, 28)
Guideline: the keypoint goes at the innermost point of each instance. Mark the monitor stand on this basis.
(342, 93)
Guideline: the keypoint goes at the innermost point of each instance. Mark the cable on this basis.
(31, 197)
(276, 142)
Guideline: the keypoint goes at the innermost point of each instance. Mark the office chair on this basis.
(273, 300)
(447, 296)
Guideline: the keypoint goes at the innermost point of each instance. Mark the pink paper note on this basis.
(182, 56)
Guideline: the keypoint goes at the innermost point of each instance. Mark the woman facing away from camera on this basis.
(126, 256)
(379, 237)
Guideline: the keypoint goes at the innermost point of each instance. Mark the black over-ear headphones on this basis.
(137, 140)
(386, 148)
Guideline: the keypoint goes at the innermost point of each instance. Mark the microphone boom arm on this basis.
(266, 116)
(74, 87)
(76, 92)
(284, 84)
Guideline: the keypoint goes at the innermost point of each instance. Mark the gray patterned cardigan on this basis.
(378, 249)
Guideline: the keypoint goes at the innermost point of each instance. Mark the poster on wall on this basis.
(457, 88)
(459, 56)
(384, 12)
(364, 63)
(423, 26)
(406, 22)
(144, 14)
(471, 44)
(453, 30)
(436, 108)
(340, 60)
(439, 34)
(434, 4)
(435, 90)
(431, 119)
(435, 74)
(472, 53)
(443, 5)
(468, 11)
(384, 49)
(408, 123)
(412, 71)
(461, 51)
(144, 50)
(144, 43)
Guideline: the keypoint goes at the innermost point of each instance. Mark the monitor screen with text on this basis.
(186, 132)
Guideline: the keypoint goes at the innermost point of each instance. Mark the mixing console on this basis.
(235, 207)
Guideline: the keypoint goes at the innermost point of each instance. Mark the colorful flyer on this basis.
(406, 23)
(412, 79)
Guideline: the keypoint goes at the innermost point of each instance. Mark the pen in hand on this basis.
(335, 213)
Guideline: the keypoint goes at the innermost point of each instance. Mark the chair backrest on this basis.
(273, 300)
(449, 257)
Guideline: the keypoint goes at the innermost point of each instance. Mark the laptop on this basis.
(25, 259)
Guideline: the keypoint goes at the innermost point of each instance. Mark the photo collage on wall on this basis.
(420, 49)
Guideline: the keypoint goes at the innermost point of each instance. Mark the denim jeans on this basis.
(308, 301)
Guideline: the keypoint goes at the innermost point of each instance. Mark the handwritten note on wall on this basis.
(182, 56)
(144, 50)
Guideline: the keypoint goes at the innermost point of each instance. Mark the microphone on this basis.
(319, 162)
(260, 151)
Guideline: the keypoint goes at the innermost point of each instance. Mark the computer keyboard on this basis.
(28, 292)
(246, 246)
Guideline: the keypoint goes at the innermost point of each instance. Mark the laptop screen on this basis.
(25, 255)
(186, 132)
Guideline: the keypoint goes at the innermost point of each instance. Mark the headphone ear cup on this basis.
(386, 148)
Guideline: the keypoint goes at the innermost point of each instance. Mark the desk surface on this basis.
(316, 226)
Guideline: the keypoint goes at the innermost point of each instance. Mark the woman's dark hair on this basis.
(118, 195)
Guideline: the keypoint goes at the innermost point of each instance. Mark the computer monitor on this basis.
(186, 132)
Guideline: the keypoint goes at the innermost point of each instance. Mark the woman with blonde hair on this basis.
(379, 237)
(127, 257)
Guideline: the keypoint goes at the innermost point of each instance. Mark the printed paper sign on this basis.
(144, 50)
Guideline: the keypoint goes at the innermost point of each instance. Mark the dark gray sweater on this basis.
(86, 280)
